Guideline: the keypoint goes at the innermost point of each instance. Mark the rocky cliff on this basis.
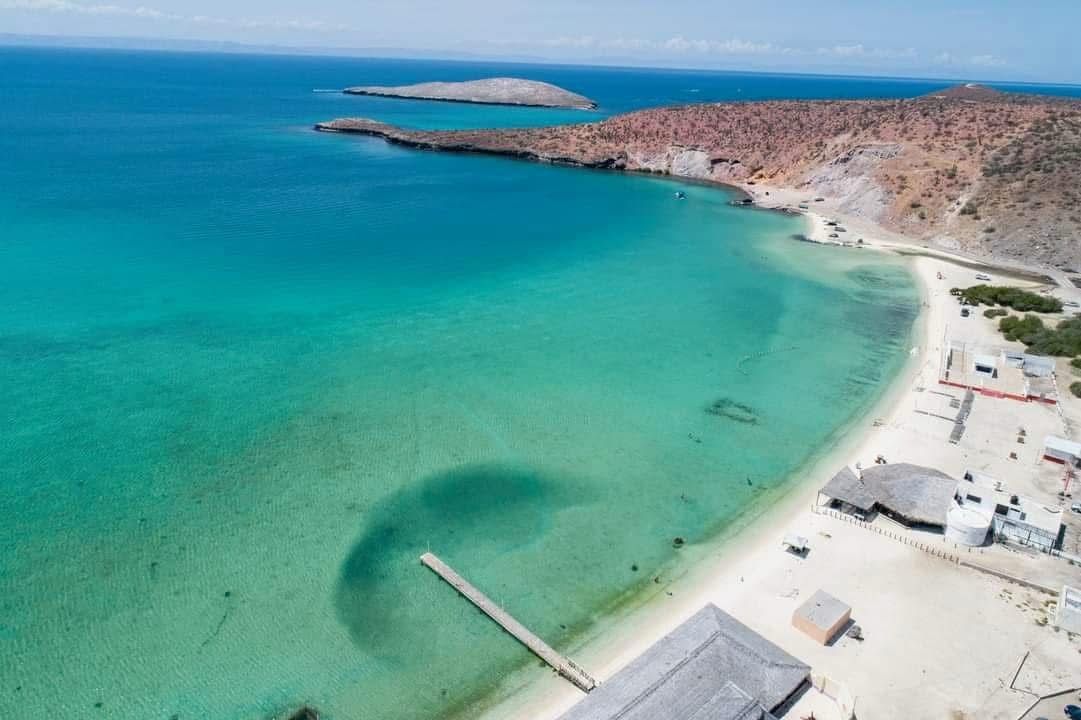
(992, 174)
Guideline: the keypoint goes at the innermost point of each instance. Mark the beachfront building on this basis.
(998, 373)
(712, 666)
(1009, 517)
(1031, 365)
(1060, 450)
(822, 617)
(912, 495)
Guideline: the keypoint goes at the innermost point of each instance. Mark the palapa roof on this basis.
(847, 488)
(918, 494)
(711, 667)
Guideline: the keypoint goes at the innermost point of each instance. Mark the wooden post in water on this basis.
(538, 647)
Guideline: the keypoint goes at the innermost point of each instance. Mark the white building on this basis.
(1060, 450)
(1031, 365)
(986, 365)
(981, 504)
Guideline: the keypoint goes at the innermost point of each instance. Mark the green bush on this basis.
(1062, 341)
(1076, 363)
(1075, 388)
(1022, 329)
(995, 312)
(1020, 300)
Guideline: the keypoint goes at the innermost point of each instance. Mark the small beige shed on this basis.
(821, 617)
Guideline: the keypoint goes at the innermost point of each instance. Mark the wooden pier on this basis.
(538, 647)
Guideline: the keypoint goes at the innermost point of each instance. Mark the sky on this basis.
(1032, 40)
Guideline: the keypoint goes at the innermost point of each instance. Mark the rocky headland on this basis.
(971, 169)
(491, 91)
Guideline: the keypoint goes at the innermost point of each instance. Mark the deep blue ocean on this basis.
(249, 372)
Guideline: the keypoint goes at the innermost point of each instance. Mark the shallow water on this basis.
(251, 372)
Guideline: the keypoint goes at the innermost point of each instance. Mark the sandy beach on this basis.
(928, 651)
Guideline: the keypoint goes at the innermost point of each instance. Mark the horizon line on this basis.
(236, 47)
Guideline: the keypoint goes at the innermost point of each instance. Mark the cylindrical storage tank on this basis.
(967, 526)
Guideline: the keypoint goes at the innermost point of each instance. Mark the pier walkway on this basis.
(538, 647)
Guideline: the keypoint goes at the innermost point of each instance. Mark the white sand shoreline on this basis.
(617, 640)
(742, 569)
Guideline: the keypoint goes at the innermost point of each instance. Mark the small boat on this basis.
(680, 195)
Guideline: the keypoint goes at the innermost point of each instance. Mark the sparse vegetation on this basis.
(1061, 341)
(1020, 300)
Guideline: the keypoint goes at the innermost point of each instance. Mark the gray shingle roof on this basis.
(919, 494)
(711, 667)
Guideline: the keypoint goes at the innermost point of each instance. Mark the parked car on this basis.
(981, 276)
(964, 312)
(1076, 507)
(1071, 303)
(1073, 712)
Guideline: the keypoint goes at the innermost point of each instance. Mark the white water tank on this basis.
(967, 525)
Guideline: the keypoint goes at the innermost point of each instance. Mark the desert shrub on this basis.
(1075, 388)
(1061, 341)
(1021, 329)
(1020, 300)
(1076, 363)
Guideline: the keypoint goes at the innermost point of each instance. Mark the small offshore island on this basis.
(490, 91)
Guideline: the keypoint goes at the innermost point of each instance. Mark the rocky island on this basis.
(491, 91)
(992, 174)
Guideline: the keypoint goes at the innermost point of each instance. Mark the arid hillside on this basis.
(993, 174)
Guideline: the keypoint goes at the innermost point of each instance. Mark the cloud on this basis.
(677, 44)
(987, 60)
(685, 46)
(860, 51)
(148, 13)
(582, 41)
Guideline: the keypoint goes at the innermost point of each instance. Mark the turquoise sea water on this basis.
(249, 373)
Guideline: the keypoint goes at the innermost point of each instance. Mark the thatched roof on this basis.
(847, 488)
(711, 666)
(918, 494)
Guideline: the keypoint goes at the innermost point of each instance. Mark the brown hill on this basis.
(970, 168)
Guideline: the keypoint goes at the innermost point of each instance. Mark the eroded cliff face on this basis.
(995, 175)
(851, 179)
(673, 160)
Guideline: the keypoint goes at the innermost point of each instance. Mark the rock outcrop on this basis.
(992, 174)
